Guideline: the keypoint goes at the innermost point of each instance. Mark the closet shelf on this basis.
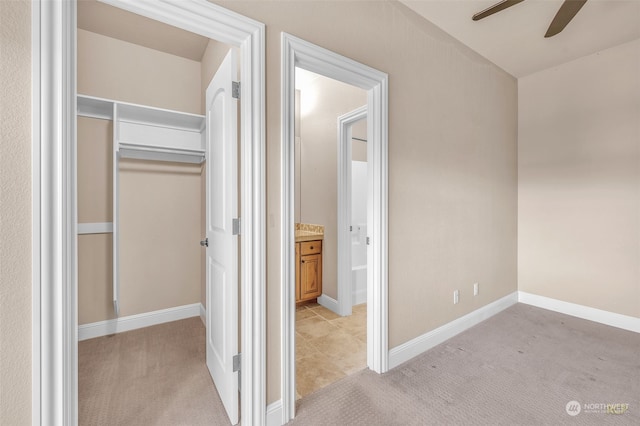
(91, 106)
(149, 133)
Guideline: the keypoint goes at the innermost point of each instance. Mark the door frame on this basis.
(54, 196)
(300, 53)
(345, 285)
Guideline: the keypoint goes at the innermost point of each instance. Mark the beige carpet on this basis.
(152, 376)
(520, 367)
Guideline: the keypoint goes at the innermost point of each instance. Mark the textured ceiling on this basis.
(514, 39)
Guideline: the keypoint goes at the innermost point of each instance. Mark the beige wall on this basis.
(159, 235)
(127, 72)
(579, 181)
(452, 160)
(15, 213)
(160, 203)
(359, 147)
(95, 278)
(322, 102)
(95, 170)
(95, 204)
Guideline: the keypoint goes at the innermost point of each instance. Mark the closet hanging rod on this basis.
(158, 153)
(157, 148)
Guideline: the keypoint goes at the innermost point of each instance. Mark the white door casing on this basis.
(222, 249)
(300, 53)
(345, 293)
(54, 207)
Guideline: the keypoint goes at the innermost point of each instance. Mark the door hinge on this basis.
(350, 228)
(236, 362)
(236, 226)
(368, 241)
(237, 359)
(235, 89)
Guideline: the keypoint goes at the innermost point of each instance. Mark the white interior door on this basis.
(222, 251)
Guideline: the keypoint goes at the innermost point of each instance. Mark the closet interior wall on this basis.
(161, 203)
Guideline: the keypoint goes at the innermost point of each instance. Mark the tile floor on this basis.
(328, 346)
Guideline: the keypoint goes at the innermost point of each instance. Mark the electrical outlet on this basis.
(475, 289)
(456, 297)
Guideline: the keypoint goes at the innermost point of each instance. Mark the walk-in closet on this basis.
(141, 143)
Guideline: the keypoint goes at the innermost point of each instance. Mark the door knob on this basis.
(205, 242)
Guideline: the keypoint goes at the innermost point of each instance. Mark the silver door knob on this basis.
(205, 242)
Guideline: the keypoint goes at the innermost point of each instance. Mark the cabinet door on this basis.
(297, 272)
(310, 276)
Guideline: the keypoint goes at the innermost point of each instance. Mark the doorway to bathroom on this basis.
(302, 279)
(330, 339)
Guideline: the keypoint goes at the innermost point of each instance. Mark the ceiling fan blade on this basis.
(495, 9)
(567, 11)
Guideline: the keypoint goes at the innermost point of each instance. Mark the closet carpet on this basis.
(520, 367)
(151, 376)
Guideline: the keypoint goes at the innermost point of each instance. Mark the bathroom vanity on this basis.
(308, 262)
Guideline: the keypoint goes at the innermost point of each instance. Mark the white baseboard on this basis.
(132, 322)
(203, 314)
(580, 311)
(420, 344)
(274, 413)
(329, 303)
(359, 297)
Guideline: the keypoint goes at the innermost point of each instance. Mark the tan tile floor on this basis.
(328, 346)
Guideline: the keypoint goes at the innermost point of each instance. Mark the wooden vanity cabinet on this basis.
(308, 270)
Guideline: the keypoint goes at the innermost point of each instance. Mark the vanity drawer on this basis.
(310, 247)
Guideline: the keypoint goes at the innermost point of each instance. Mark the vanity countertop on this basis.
(309, 232)
(308, 236)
